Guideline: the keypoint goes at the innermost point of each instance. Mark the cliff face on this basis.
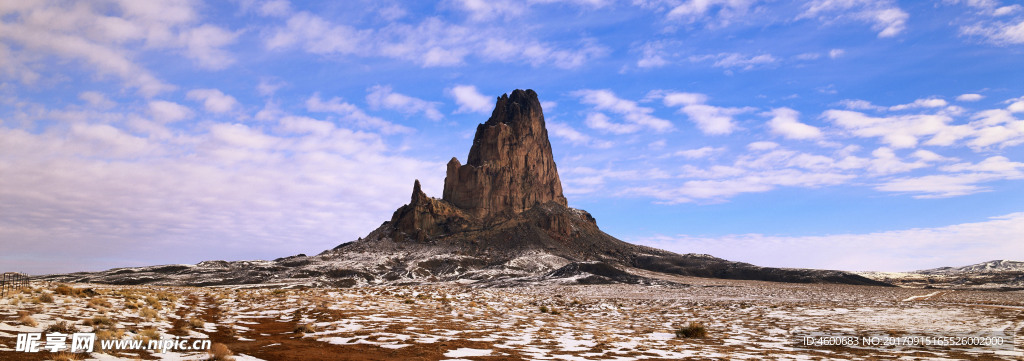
(510, 167)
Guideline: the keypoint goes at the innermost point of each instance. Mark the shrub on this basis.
(167, 296)
(109, 334)
(220, 352)
(543, 309)
(148, 334)
(148, 313)
(64, 290)
(693, 330)
(68, 356)
(98, 302)
(195, 323)
(46, 298)
(153, 302)
(230, 330)
(304, 328)
(99, 322)
(27, 320)
(62, 327)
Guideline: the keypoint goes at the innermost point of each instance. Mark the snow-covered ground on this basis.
(744, 320)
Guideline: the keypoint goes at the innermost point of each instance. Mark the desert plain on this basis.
(740, 320)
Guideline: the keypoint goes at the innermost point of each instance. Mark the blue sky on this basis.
(845, 134)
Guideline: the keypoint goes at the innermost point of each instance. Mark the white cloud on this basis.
(105, 36)
(857, 104)
(1016, 105)
(205, 43)
(677, 99)
(470, 100)
(279, 8)
(970, 97)
(652, 55)
(886, 162)
(897, 250)
(720, 189)
(930, 156)
(716, 12)
(481, 10)
(885, 16)
(898, 131)
(996, 32)
(537, 53)
(168, 112)
(259, 190)
(735, 60)
(762, 145)
(96, 99)
(986, 129)
(962, 179)
(1007, 10)
(383, 97)
(808, 56)
(431, 43)
(636, 117)
(785, 122)
(352, 113)
(213, 100)
(317, 36)
(601, 122)
(564, 131)
(268, 87)
(996, 127)
(709, 119)
(835, 53)
(766, 167)
(996, 165)
(921, 103)
(702, 152)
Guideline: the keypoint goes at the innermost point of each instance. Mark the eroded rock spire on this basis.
(510, 167)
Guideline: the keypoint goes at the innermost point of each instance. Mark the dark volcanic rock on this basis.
(502, 219)
(510, 166)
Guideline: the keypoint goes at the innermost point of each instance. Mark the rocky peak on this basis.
(510, 167)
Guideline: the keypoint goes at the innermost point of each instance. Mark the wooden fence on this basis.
(11, 282)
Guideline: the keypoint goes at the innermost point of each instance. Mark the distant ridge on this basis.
(995, 266)
(997, 274)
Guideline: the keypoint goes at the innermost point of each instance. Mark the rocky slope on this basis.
(502, 220)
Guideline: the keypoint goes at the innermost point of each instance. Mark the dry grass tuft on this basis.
(98, 302)
(25, 319)
(68, 356)
(62, 327)
(304, 328)
(154, 302)
(195, 323)
(693, 330)
(149, 314)
(99, 322)
(148, 334)
(45, 298)
(220, 352)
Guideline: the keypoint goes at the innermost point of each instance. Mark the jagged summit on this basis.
(502, 220)
(510, 167)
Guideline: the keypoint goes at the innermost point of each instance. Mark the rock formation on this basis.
(510, 167)
(502, 220)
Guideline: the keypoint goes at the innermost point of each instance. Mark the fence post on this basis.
(12, 281)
